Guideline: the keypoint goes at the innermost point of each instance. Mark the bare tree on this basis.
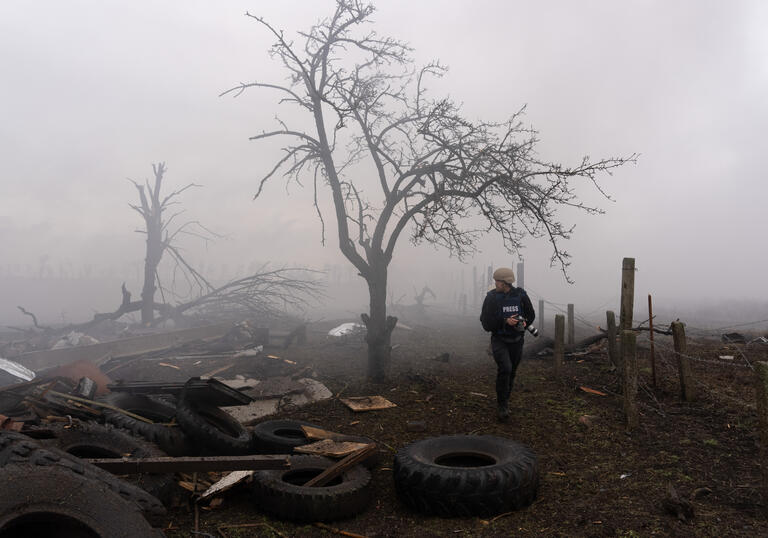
(435, 170)
(161, 234)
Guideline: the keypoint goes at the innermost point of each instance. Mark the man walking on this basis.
(506, 312)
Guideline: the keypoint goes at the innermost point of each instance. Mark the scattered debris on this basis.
(588, 420)
(74, 339)
(330, 448)
(367, 403)
(348, 331)
(593, 391)
(726, 357)
(21, 373)
(226, 483)
(736, 338)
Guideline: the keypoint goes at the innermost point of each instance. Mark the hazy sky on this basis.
(96, 91)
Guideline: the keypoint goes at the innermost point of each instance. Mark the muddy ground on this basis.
(596, 480)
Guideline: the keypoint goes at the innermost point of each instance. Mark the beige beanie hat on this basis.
(505, 274)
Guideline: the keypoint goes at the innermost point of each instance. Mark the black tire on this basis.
(170, 439)
(280, 493)
(465, 475)
(37, 501)
(282, 436)
(17, 449)
(89, 440)
(214, 431)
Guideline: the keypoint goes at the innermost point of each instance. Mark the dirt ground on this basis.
(596, 480)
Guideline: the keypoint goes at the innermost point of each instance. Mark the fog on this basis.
(95, 92)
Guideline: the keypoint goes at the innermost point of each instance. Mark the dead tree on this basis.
(161, 234)
(432, 167)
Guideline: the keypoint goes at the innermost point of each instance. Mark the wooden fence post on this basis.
(629, 358)
(650, 332)
(761, 393)
(613, 354)
(627, 293)
(683, 362)
(521, 275)
(540, 314)
(571, 331)
(559, 343)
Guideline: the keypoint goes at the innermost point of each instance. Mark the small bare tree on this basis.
(434, 169)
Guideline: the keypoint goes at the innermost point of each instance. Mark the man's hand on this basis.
(512, 320)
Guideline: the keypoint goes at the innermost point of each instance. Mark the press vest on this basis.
(510, 304)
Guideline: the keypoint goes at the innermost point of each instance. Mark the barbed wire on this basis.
(717, 394)
(671, 349)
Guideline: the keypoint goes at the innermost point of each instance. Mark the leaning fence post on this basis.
(761, 393)
(629, 359)
(540, 314)
(571, 336)
(559, 343)
(650, 334)
(683, 362)
(613, 354)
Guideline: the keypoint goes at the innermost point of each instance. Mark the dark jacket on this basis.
(493, 319)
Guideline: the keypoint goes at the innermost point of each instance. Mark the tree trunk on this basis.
(154, 253)
(379, 326)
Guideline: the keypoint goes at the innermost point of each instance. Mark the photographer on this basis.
(506, 313)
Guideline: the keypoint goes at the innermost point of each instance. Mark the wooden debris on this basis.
(593, 391)
(216, 371)
(169, 464)
(367, 403)
(335, 470)
(330, 448)
(226, 483)
(168, 365)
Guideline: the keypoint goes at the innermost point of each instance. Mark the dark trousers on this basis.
(507, 356)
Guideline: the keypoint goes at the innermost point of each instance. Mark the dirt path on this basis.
(596, 480)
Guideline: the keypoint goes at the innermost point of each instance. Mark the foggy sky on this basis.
(95, 92)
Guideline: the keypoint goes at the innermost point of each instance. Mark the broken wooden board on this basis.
(367, 403)
(318, 433)
(330, 448)
(228, 482)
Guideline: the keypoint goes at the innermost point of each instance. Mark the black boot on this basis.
(503, 411)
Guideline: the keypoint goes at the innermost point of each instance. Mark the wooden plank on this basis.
(367, 403)
(191, 464)
(330, 448)
(335, 470)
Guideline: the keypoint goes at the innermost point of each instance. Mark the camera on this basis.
(530, 328)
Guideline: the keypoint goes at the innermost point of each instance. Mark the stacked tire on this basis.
(47, 492)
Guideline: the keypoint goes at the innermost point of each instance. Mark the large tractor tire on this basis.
(465, 475)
